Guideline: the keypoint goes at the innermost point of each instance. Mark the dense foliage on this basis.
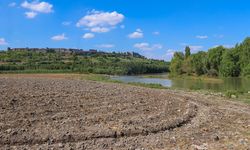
(218, 61)
(101, 63)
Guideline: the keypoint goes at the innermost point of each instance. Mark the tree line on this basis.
(218, 61)
(100, 63)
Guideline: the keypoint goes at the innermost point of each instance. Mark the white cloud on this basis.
(3, 42)
(88, 36)
(157, 46)
(156, 33)
(13, 4)
(42, 7)
(142, 46)
(100, 29)
(201, 36)
(228, 46)
(59, 37)
(66, 23)
(138, 30)
(31, 14)
(136, 35)
(106, 45)
(220, 36)
(36, 7)
(170, 52)
(98, 18)
(98, 21)
(158, 56)
(195, 48)
(147, 46)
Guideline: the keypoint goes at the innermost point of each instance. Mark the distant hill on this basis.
(77, 60)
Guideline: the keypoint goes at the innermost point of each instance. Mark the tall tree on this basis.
(229, 64)
(176, 63)
(187, 51)
(244, 53)
(199, 61)
(215, 57)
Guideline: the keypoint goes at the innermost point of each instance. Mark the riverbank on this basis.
(233, 95)
(40, 110)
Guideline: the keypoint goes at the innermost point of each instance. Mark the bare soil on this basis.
(62, 112)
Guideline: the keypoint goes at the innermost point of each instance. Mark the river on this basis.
(225, 84)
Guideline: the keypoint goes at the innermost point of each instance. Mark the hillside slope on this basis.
(85, 62)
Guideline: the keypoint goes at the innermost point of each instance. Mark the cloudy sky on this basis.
(154, 28)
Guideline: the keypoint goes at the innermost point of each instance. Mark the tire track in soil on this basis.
(161, 107)
(177, 123)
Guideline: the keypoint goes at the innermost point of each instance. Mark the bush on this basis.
(232, 94)
(212, 73)
(246, 70)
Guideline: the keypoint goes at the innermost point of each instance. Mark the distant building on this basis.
(93, 50)
(71, 51)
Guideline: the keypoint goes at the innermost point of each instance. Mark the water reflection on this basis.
(227, 83)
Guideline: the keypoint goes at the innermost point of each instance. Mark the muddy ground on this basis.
(59, 112)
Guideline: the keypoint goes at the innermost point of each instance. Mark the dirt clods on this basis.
(63, 113)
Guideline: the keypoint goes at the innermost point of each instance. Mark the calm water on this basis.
(226, 84)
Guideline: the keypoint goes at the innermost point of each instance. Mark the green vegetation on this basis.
(25, 61)
(232, 94)
(218, 61)
(98, 77)
(238, 95)
(106, 78)
(148, 85)
(163, 76)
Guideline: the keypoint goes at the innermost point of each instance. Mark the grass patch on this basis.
(94, 77)
(106, 78)
(232, 94)
(149, 85)
(98, 77)
(245, 97)
(156, 76)
(238, 95)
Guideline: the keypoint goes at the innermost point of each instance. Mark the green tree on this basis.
(244, 53)
(187, 66)
(187, 51)
(215, 57)
(176, 63)
(246, 70)
(199, 62)
(229, 65)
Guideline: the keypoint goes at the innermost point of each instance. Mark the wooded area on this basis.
(100, 63)
(218, 61)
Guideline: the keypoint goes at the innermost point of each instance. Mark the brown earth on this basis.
(62, 112)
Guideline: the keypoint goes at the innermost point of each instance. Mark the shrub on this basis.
(246, 70)
(212, 73)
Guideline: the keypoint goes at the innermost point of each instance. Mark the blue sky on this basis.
(154, 28)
